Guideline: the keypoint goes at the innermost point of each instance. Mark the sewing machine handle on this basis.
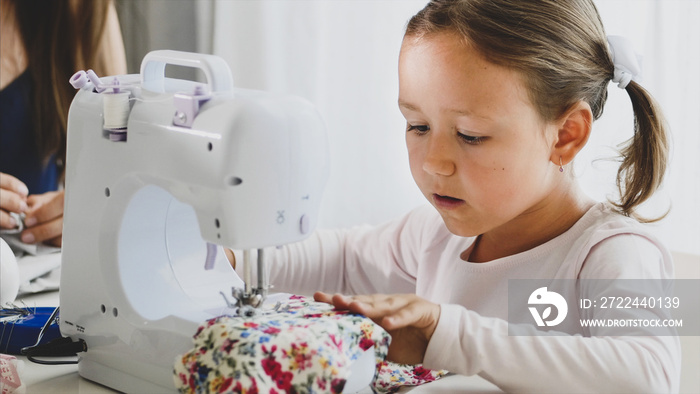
(215, 69)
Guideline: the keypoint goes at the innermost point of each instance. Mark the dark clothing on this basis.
(19, 156)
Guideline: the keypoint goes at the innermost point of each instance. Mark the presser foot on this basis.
(247, 304)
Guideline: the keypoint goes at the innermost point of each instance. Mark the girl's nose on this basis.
(437, 158)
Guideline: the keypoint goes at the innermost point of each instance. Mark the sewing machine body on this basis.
(247, 173)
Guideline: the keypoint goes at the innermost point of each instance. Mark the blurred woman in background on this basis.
(42, 44)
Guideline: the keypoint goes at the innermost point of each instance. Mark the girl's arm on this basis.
(467, 343)
(609, 360)
(360, 260)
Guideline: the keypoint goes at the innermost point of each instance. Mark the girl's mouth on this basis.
(447, 202)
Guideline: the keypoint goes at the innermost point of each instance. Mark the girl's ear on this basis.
(574, 128)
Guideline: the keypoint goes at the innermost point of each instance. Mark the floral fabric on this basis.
(303, 347)
(392, 376)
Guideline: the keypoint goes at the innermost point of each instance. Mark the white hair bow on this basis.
(628, 64)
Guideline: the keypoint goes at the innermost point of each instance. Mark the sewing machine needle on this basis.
(262, 278)
(246, 272)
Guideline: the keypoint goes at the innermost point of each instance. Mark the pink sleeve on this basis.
(360, 260)
(467, 343)
(560, 362)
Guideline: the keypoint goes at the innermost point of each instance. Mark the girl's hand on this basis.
(231, 257)
(13, 198)
(44, 220)
(409, 319)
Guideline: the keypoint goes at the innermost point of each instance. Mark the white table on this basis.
(47, 379)
(54, 378)
(65, 379)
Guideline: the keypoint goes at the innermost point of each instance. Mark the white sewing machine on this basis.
(159, 172)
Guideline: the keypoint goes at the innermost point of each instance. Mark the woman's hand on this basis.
(409, 319)
(13, 198)
(44, 220)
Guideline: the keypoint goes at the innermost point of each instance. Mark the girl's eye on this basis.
(418, 129)
(470, 139)
(422, 129)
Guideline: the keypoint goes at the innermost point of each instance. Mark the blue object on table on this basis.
(20, 327)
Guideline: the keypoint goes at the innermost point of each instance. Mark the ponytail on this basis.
(527, 36)
(644, 155)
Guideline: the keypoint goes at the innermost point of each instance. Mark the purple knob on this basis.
(99, 87)
(79, 79)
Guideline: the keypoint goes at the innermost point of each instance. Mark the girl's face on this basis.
(477, 148)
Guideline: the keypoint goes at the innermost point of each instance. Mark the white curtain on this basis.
(163, 24)
(342, 56)
(667, 34)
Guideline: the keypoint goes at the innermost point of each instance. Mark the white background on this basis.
(342, 56)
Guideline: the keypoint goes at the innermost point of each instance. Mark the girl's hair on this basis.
(60, 37)
(560, 48)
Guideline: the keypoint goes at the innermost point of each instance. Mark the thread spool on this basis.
(115, 107)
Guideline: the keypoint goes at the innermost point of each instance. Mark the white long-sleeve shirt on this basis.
(417, 254)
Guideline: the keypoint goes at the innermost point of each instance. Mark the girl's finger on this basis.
(320, 296)
(383, 305)
(407, 316)
(342, 301)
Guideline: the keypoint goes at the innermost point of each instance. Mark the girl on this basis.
(499, 96)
